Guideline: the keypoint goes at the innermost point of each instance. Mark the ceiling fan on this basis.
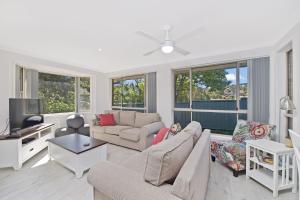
(167, 45)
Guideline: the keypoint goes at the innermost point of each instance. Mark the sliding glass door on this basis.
(216, 96)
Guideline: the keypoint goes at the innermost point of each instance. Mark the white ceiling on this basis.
(71, 31)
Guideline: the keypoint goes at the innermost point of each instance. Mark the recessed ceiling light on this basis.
(99, 49)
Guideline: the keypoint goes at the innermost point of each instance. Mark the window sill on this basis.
(66, 113)
(58, 114)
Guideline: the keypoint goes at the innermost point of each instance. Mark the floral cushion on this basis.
(260, 131)
(241, 132)
(251, 131)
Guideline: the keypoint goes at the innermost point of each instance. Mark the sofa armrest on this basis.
(118, 182)
(147, 134)
(153, 127)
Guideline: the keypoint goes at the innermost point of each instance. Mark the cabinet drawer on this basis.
(29, 150)
(34, 147)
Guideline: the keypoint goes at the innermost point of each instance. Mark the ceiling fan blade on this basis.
(189, 35)
(181, 51)
(146, 35)
(151, 52)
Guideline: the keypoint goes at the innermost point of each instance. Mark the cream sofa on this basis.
(133, 129)
(126, 181)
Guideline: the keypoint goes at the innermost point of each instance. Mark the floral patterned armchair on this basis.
(232, 153)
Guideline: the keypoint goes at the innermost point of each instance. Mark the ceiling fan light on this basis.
(167, 49)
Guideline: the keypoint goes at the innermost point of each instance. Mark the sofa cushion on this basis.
(107, 120)
(98, 129)
(115, 130)
(142, 119)
(260, 131)
(127, 118)
(241, 132)
(132, 134)
(195, 129)
(116, 114)
(165, 159)
(160, 135)
(192, 180)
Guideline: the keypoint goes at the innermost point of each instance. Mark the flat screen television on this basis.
(24, 113)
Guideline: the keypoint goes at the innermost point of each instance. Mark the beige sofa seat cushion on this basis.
(127, 118)
(116, 114)
(115, 130)
(195, 129)
(165, 159)
(132, 134)
(98, 129)
(142, 119)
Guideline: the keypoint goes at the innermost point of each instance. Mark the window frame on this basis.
(237, 111)
(77, 94)
(145, 108)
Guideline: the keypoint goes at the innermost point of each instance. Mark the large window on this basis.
(60, 93)
(214, 95)
(128, 93)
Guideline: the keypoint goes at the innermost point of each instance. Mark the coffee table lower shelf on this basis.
(78, 163)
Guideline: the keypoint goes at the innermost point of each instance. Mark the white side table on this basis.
(280, 175)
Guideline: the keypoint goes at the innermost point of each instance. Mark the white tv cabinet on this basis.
(14, 151)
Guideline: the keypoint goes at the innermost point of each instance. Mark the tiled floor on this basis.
(40, 179)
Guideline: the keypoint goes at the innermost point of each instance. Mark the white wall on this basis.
(8, 61)
(165, 83)
(279, 78)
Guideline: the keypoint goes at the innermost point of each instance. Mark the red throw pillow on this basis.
(160, 135)
(107, 120)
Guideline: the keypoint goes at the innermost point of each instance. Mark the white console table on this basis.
(280, 175)
(14, 151)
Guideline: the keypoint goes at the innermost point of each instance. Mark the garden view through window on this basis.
(216, 96)
(59, 93)
(129, 93)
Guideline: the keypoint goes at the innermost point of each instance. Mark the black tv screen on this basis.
(24, 113)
